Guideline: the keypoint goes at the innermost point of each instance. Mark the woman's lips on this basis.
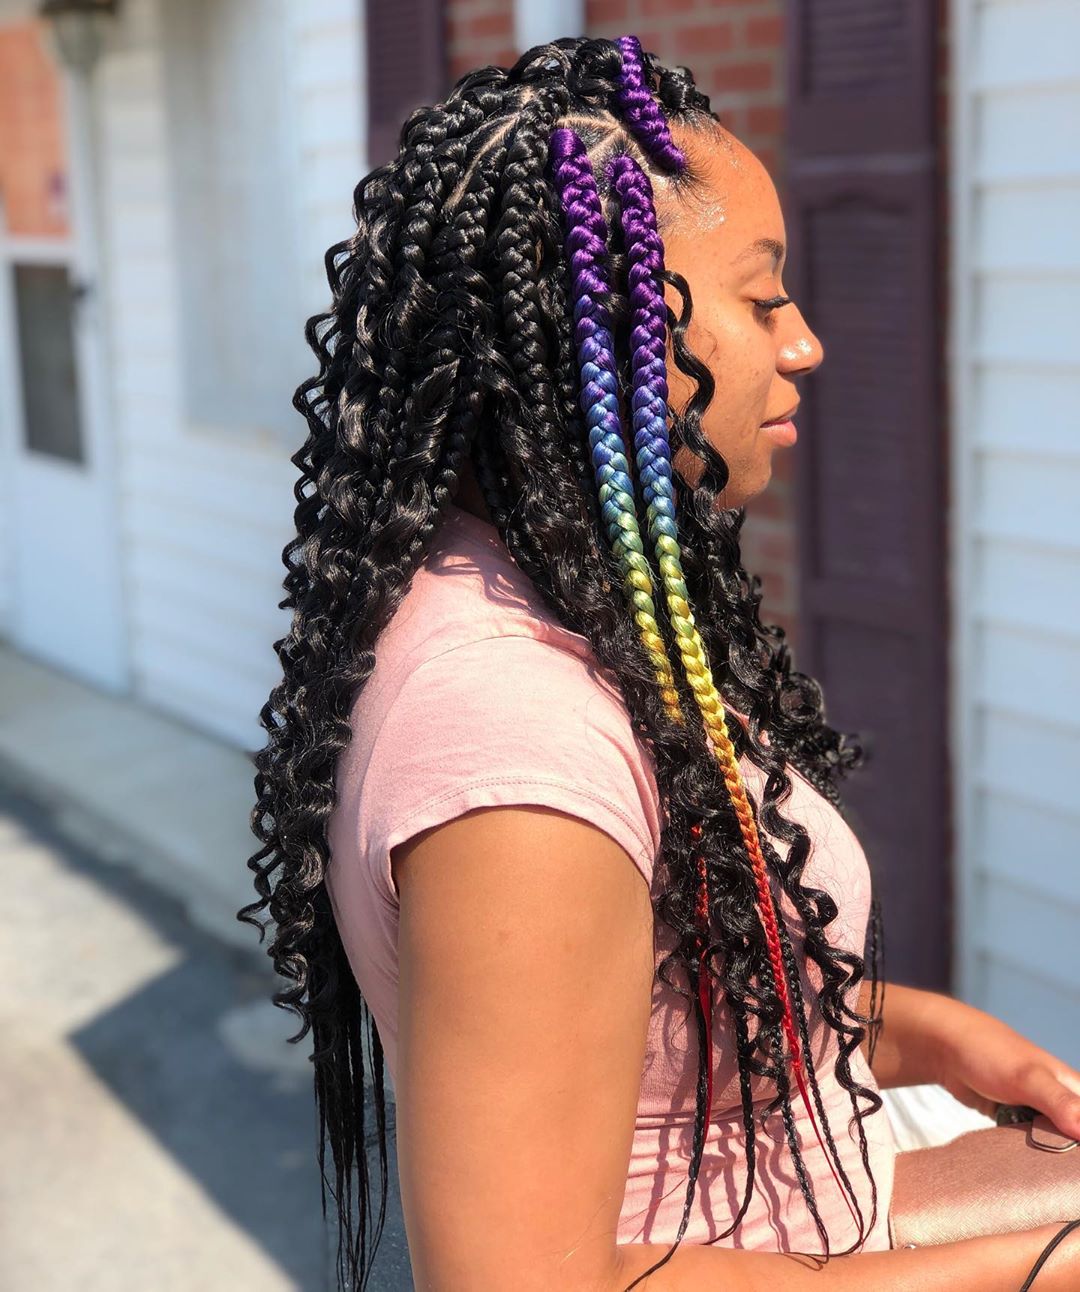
(781, 432)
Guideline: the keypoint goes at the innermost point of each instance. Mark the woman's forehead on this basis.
(734, 206)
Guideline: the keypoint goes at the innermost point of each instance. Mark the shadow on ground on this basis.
(245, 1135)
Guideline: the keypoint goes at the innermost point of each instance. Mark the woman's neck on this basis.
(469, 496)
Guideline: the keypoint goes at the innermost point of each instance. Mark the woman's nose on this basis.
(799, 348)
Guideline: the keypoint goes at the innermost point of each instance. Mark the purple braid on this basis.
(648, 344)
(639, 110)
(586, 246)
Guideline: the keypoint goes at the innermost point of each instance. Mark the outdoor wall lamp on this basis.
(78, 28)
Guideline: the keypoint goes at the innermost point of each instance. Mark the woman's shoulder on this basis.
(467, 590)
(479, 697)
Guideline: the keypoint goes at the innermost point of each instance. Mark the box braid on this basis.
(581, 204)
(468, 323)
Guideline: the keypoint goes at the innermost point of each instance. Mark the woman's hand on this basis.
(983, 1062)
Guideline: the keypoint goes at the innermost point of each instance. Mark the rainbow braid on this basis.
(586, 243)
(640, 111)
(648, 342)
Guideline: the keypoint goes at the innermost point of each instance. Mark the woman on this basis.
(549, 820)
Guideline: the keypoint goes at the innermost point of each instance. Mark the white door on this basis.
(54, 423)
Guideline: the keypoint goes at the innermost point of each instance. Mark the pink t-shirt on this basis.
(479, 697)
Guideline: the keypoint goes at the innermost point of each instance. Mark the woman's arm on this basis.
(908, 1052)
(981, 1061)
(525, 976)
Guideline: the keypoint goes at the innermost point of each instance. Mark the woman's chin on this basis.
(738, 495)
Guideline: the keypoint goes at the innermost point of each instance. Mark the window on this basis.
(235, 205)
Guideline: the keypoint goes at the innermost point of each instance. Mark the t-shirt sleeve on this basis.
(506, 721)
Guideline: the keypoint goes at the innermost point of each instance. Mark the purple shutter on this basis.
(862, 199)
(406, 66)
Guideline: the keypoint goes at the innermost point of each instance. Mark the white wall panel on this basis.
(1015, 350)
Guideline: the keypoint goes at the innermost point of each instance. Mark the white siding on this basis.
(207, 511)
(1015, 362)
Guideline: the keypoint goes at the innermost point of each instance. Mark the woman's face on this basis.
(714, 239)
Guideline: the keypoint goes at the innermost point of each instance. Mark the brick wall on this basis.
(735, 49)
(479, 32)
(33, 164)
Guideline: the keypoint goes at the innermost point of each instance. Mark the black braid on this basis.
(448, 341)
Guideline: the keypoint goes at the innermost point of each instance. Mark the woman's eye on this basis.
(773, 303)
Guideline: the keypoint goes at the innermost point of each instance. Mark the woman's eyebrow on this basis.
(762, 246)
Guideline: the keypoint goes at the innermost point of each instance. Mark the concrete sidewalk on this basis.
(156, 1128)
(133, 786)
(127, 1145)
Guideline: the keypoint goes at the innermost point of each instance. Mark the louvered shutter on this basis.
(866, 237)
(406, 66)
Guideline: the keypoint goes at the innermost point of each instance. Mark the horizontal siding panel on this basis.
(224, 642)
(1051, 681)
(334, 15)
(143, 319)
(1017, 410)
(244, 684)
(212, 481)
(327, 55)
(333, 172)
(1026, 43)
(7, 554)
(1016, 751)
(328, 224)
(140, 22)
(1027, 134)
(127, 84)
(1040, 935)
(1028, 227)
(1016, 370)
(1020, 497)
(321, 116)
(138, 192)
(133, 131)
(146, 238)
(1020, 317)
(262, 470)
(152, 386)
(145, 417)
(1046, 1012)
(1034, 846)
(207, 593)
(136, 332)
(232, 718)
(206, 537)
(1027, 585)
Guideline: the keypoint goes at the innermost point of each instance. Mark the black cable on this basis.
(1061, 1233)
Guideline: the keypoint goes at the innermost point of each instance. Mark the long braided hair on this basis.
(501, 304)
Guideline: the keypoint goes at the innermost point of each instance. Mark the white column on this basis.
(538, 21)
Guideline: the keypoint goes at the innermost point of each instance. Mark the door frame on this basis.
(106, 664)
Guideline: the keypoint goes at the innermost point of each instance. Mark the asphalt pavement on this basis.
(157, 1132)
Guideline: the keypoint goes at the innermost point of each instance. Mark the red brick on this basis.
(480, 55)
(650, 39)
(746, 76)
(765, 119)
(764, 31)
(484, 25)
(706, 37)
(735, 120)
(775, 550)
(664, 8)
(33, 150)
(769, 158)
(604, 11)
(768, 504)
